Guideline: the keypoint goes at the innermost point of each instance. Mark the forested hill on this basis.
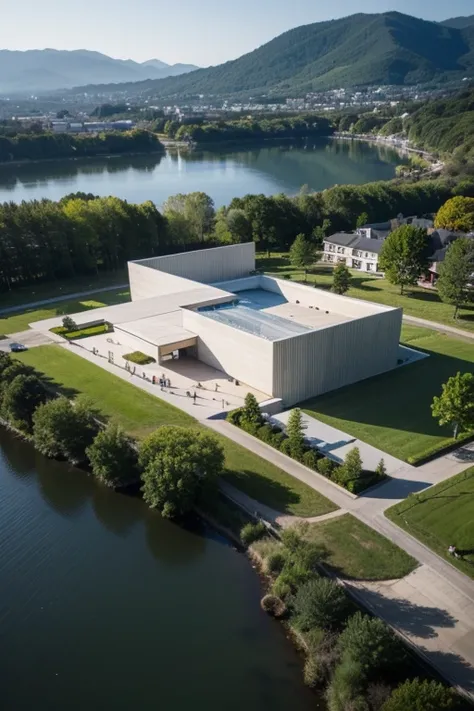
(385, 48)
(459, 22)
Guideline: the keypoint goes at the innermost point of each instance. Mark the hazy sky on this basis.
(200, 32)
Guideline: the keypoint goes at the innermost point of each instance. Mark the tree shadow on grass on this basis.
(415, 620)
(266, 491)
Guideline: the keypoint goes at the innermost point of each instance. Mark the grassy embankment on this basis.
(392, 411)
(140, 413)
(418, 302)
(19, 321)
(442, 516)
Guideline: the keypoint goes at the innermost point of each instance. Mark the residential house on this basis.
(357, 250)
(439, 244)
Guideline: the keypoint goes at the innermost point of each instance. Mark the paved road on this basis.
(56, 299)
(433, 607)
(29, 338)
(437, 326)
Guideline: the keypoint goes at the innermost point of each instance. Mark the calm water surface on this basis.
(106, 606)
(222, 173)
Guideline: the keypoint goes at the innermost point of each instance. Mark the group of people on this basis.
(163, 381)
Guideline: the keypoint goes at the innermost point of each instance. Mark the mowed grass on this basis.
(19, 321)
(271, 485)
(392, 411)
(419, 302)
(442, 516)
(357, 552)
(137, 411)
(140, 413)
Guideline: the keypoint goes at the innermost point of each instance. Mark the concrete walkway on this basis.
(56, 299)
(30, 339)
(437, 326)
(335, 444)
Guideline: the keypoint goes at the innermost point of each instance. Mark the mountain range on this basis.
(459, 22)
(359, 50)
(43, 70)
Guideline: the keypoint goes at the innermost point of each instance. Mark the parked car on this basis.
(17, 347)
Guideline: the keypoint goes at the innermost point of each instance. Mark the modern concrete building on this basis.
(286, 340)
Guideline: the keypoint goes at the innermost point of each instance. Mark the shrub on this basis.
(320, 603)
(251, 414)
(295, 575)
(286, 448)
(69, 324)
(139, 358)
(312, 674)
(345, 690)
(369, 641)
(278, 439)
(281, 589)
(265, 433)
(273, 605)
(381, 470)
(234, 416)
(419, 695)
(252, 532)
(275, 562)
(326, 467)
(310, 459)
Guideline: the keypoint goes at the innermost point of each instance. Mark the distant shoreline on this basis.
(32, 161)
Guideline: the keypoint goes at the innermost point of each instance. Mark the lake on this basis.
(105, 605)
(222, 173)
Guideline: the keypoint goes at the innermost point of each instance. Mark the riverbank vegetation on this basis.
(442, 516)
(408, 433)
(249, 129)
(47, 146)
(139, 414)
(356, 659)
(81, 235)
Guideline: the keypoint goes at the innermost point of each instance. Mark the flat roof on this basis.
(142, 308)
(161, 330)
(259, 323)
(306, 316)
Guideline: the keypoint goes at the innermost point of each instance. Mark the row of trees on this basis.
(82, 234)
(250, 129)
(44, 146)
(356, 658)
(174, 464)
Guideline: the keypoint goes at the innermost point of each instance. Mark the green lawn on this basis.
(19, 321)
(137, 411)
(392, 411)
(62, 287)
(419, 302)
(356, 551)
(270, 485)
(140, 413)
(442, 516)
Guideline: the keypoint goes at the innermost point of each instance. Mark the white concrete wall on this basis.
(136, 344)
(146, 282)
(241, 355)
(324, 300)
(315, 363)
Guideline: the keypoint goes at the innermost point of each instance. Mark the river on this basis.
(105, 605)
(222, 173)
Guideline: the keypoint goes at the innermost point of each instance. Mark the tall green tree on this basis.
(456, 214)
(295, 430)
(403, 256)
(302, 253)
(341, 279)
(456, 274)
(62, 429)
(455, 405)
(177, 462)
(113, 457)
(21, 397)
(251, 418)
